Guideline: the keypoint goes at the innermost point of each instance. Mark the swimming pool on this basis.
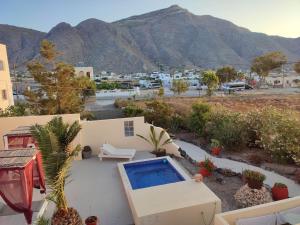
(152, 173)
(160, 192)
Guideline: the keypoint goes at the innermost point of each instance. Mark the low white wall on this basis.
(230, 218)
(96, 133)
(10, 123)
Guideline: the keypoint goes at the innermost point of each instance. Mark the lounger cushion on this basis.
(110, 150)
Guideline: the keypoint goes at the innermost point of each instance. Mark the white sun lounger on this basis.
(109, 151)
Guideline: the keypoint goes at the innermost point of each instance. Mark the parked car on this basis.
(233, 86)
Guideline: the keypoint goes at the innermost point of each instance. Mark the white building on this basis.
(165, 79)
(6, 92)
(85, 71)
(177, 76)
(292, 79)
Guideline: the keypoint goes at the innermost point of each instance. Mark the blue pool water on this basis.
(151, 173)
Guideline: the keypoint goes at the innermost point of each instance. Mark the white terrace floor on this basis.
(96, 189)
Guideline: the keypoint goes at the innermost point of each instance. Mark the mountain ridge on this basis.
(172, 36)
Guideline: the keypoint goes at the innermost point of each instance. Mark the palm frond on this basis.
(54, 141)
(155, 140)
(144, 138)
(161, 134)
(168, 141)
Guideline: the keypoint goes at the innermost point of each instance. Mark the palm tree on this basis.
(156, 141)
(54, 141)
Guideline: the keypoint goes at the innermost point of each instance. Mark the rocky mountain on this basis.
(171, 36)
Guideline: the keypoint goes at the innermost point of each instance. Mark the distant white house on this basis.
(85, 72)
(154, 75)
(291, 79)
(165, 79)
(177, 76)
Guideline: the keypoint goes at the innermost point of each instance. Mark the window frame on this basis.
(2, 68)
(129, 128)
(4, 94)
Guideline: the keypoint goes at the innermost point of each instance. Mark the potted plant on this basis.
(54, 141)
(215, 147)
(86, 152)
(206, 167)
(91, 220)
(157, 141)
(254, 179)
(280, 191)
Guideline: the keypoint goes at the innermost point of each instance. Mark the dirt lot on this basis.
(240, 103)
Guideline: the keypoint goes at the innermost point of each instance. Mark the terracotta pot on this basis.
(204, 172)
(91, 220)
(280, 193)
(198, 177)
(160, 153)
(216, 150)
(254, 184)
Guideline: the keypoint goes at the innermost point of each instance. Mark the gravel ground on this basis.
(223, 186)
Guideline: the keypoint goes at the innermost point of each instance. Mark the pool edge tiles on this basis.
(174, 203)
(151, 173)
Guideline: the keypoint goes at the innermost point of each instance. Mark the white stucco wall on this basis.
(82, 71)
(5, 81)
(10, 123)
(230, 218)
(96, 133)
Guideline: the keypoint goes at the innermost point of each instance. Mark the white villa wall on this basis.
(10, 123)
(96, 133)
(230, 218)
(287, 81)
(83, 71)
(5, 81)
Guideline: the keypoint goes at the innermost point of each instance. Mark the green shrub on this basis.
(108, 86)
(158, 113)
(199, 117)
(254, 175)
(120, 103)
(276, 131)
(214, 143)
(42, 221)
(177, 122)
(280, 185)
(87, 115)
(227, 127)
(18, 109)
(133, 110)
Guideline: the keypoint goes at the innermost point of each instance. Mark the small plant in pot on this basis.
(91, 220)
(86, 152)
(215, 147)
(254, 179)
(156, 140)
(206, 167)
(280, 191)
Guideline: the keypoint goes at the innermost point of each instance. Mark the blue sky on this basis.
(274, 17)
